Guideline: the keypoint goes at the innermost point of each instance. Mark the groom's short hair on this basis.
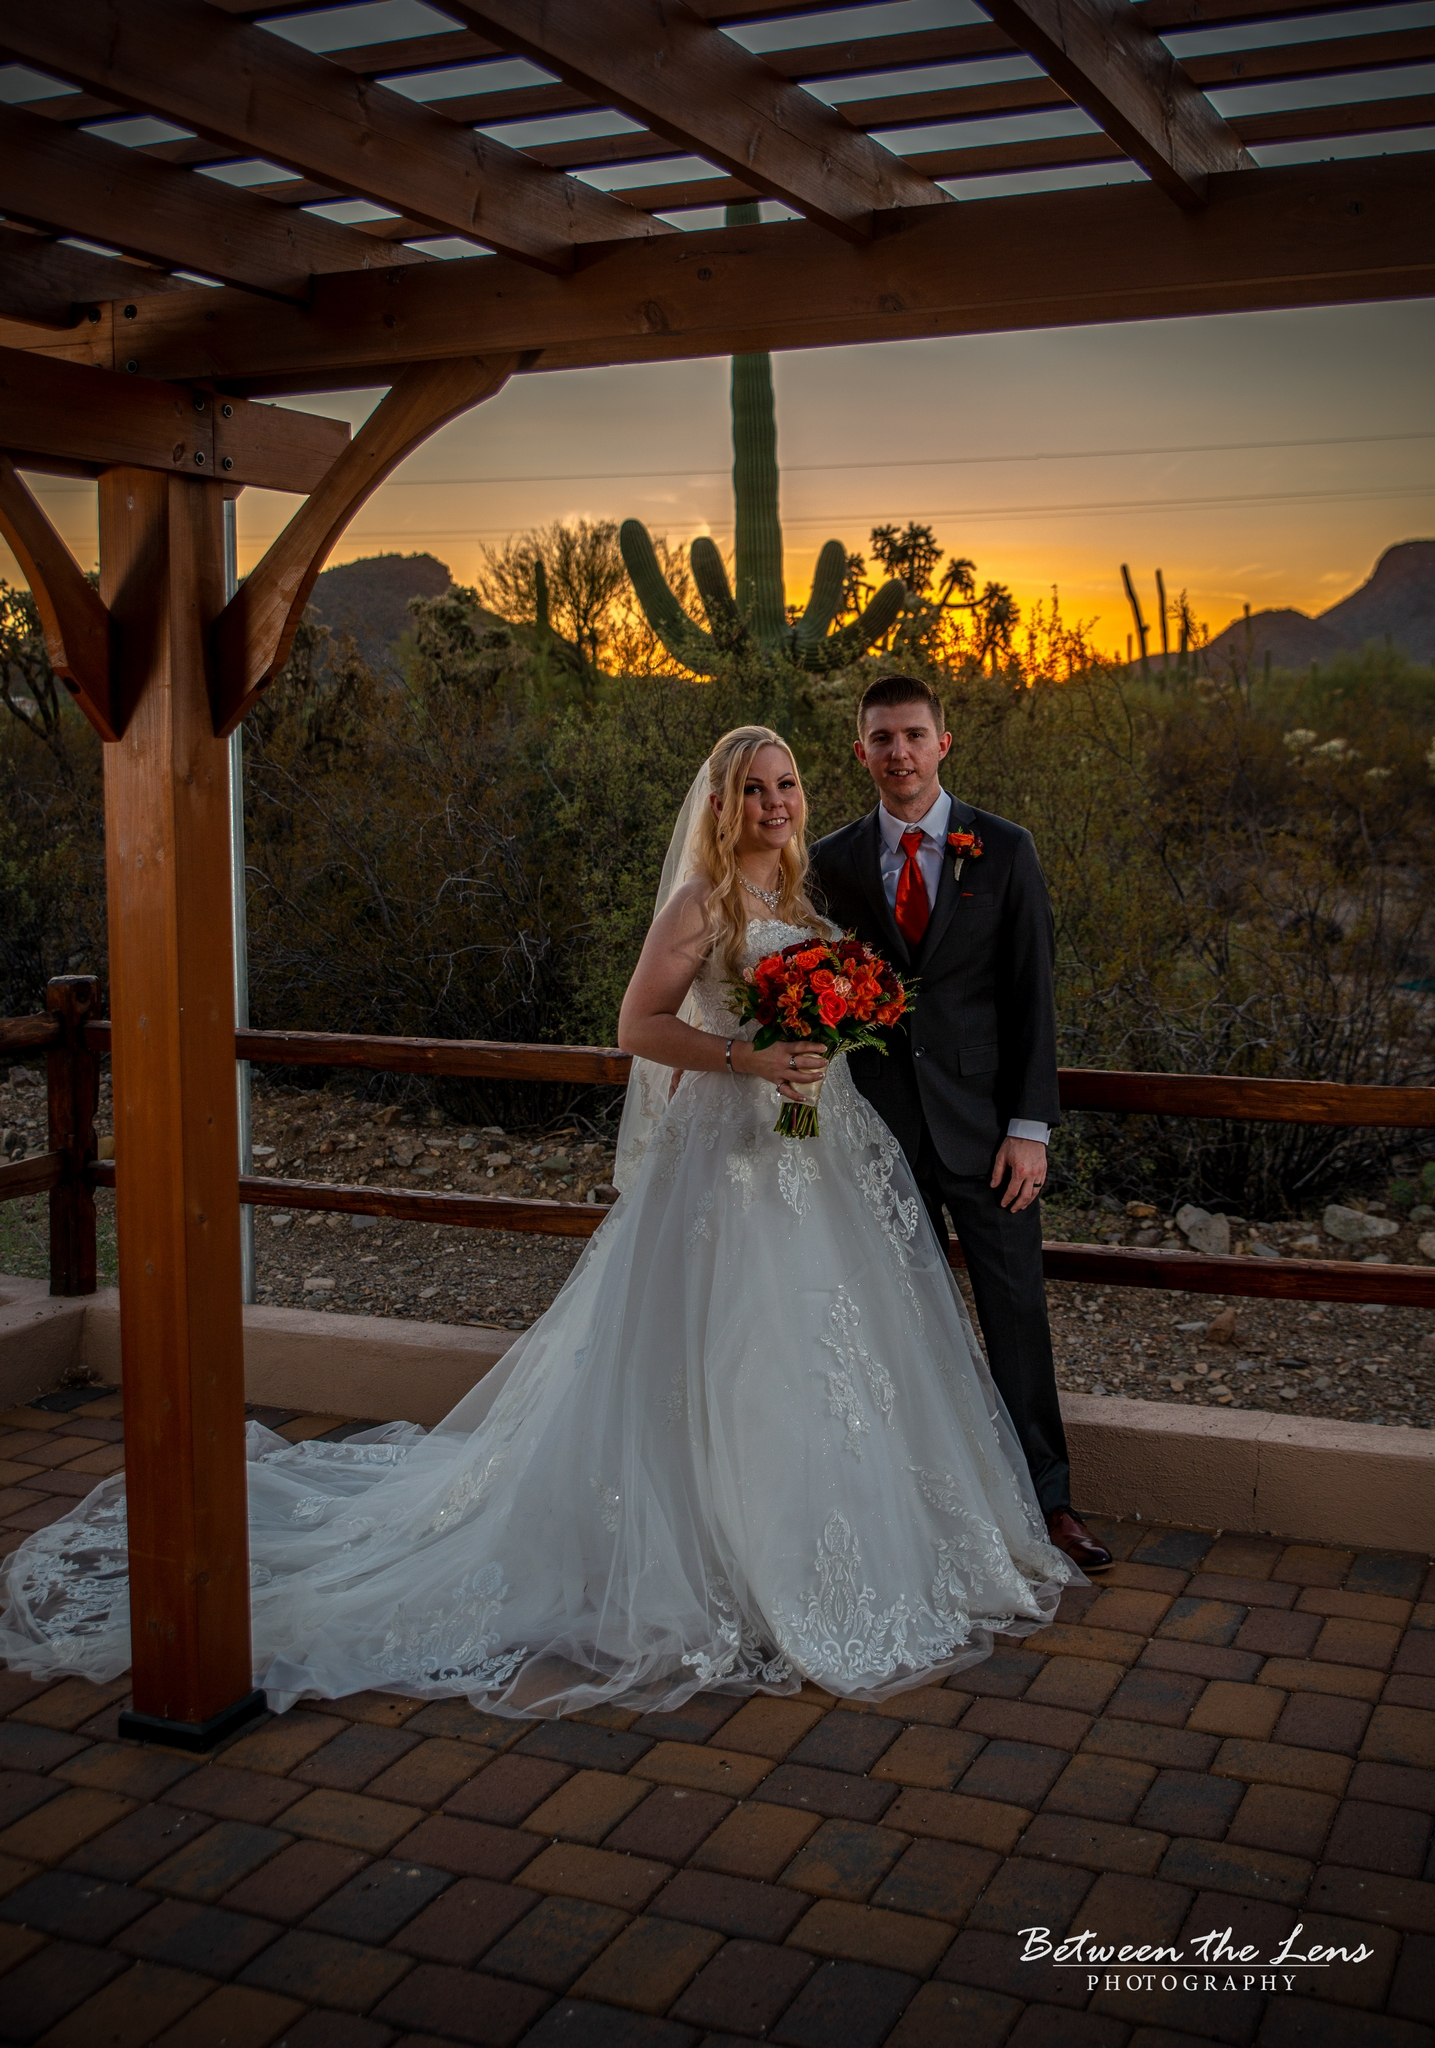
(900, 690)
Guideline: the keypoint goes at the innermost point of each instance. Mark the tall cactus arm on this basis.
(850, 641)
(822, 606)
(685, 642)
(710, 576)
(758, 529)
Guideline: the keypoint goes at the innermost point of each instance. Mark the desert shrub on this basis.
(1234, 894)
(473, 855)
(1240, 875)
(52, 854)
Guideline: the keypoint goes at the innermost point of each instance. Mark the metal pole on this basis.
(241, 928)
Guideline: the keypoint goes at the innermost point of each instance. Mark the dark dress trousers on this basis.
(979, 1050)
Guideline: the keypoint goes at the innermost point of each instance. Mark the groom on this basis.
(956, 897)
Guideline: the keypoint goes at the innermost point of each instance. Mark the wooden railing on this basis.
(73, 1041)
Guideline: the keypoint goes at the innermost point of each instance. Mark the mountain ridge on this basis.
(369, 599)
(1395, 602)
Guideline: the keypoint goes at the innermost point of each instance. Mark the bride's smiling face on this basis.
(771, 803)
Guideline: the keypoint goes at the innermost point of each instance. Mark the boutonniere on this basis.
(964, 846)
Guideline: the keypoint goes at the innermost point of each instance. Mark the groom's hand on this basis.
(1025, 1161)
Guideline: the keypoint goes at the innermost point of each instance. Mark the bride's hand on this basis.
(782, 1064)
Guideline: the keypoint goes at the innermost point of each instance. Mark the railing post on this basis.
(72, 1073)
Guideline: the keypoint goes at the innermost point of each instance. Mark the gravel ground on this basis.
(1367, 1363)
(1364, 1362)
(426, 1272)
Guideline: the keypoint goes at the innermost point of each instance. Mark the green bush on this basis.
(1241, 877)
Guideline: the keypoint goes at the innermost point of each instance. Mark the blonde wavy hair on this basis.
(729, 905)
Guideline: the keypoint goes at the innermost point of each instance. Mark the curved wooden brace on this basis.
(254, 632)
(76, 623)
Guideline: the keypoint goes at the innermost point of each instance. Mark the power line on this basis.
(973, 512)
(594, 476)
(970, 512)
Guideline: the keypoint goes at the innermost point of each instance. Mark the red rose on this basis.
(831, 1008)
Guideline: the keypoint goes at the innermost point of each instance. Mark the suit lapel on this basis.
(867, 854)
(949, 889)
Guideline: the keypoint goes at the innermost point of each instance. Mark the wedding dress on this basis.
(752, 1442)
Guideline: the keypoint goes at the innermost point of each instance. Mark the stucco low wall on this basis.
(40, 1340)
(324, 1364)
(1347, 1483)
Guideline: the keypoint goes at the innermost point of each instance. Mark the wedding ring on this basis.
(792, 1061)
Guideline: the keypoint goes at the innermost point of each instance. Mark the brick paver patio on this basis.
(1228, 1737)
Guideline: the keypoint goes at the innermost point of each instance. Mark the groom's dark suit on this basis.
(979, 1051)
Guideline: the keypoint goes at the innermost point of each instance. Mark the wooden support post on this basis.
(72, 1072)
(172, 996)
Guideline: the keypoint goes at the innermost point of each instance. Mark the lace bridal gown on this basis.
(751, 1442)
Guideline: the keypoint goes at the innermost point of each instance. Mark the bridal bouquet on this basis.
(844, 995)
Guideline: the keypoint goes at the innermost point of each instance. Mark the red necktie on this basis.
(913, 909)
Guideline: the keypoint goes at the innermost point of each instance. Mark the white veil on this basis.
(649, 1084)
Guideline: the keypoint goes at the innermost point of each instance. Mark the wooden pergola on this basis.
(129, 366)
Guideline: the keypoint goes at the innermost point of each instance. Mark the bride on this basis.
(752, 1442)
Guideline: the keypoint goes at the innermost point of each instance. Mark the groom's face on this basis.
(902, 751)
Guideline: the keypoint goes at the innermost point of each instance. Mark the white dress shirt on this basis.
(933, 828)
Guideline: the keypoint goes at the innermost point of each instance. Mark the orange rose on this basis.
(831, 1008)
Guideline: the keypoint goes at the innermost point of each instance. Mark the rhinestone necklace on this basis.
(771, 897)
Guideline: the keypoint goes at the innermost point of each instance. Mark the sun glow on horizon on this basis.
(1262, 459)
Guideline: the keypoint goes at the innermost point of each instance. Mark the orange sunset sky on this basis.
(1256, 458)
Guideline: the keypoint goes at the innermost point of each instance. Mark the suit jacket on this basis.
(979, 1048)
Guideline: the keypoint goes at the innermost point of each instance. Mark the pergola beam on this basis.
(48, 284)
(659, 62)
(1293, 124)
(1105, 58)
(1312, 234)
(895, 52)
(1279, 62)
(81, 184)
(61, 413)
(241, 85)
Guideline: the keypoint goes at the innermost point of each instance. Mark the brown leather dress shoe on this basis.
(1070, 1534)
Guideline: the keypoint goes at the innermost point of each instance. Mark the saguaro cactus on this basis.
(757, 537)
(758, 613)
(810, 644)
